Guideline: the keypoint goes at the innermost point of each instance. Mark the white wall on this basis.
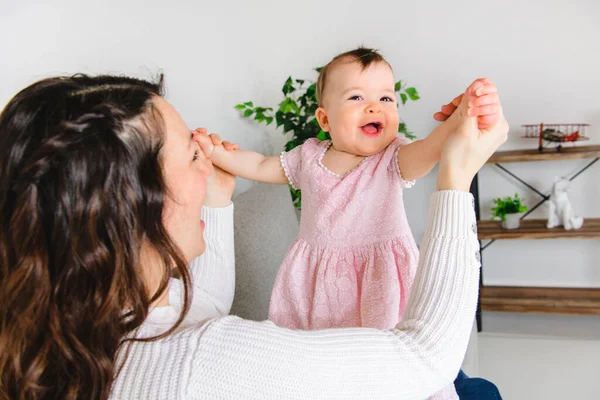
(543, 55)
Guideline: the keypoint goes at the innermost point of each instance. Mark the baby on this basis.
(354, 259)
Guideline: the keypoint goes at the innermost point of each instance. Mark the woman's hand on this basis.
(469, 146)
(220, 183)
(484, 105)
(220, 187)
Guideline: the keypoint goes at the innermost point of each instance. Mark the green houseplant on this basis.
(509, 210)
(296, 114)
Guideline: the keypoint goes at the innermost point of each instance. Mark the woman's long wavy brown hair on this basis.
(81, 190)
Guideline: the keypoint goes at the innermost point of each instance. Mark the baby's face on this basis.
(359, 108)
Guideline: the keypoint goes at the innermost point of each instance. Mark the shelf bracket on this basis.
(544, 197)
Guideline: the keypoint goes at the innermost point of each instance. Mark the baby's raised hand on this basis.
(220, 183)
(215, 140)
(485, 104)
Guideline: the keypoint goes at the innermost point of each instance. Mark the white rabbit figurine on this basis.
(561, 212)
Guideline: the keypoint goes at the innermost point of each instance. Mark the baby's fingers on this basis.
(486, 89)
(205, 144)
(216, 139)
(201, 131)
(230, 146)
(476, 85)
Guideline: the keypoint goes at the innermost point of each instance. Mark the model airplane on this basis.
(555, 134)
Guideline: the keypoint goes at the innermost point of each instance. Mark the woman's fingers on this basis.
(484, 104)
(487, 121)
(484, 110)
(440, 116)
(456, 101)
(486, 89)
(484, 100)
(448, 109)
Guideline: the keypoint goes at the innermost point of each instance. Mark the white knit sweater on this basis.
(230, 358)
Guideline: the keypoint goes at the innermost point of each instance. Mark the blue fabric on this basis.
(475, 388)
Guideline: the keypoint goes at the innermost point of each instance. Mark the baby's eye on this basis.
(356, 97)
(387, 98)
(196, 155)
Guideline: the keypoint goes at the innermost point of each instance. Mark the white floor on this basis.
(550, 357)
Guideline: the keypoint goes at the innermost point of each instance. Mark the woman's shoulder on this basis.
(160, 364)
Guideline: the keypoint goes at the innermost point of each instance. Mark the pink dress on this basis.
(353, 262)
(354, 259)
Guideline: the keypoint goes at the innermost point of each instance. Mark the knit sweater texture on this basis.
(224, 357)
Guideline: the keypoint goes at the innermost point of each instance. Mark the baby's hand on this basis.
(485, 105)
(208, 146)
(220, 183)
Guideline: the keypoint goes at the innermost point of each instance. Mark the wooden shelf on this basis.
(536, 229)
(549, 154)
(541, 300)
(538, 299)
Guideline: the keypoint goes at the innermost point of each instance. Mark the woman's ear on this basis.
(322, 118)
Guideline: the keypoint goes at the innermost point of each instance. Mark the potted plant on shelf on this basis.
(296, 114)
(509, 210)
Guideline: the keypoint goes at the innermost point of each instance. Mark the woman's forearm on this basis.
(419, 357)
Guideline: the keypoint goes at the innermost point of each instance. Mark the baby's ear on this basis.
(322, 119)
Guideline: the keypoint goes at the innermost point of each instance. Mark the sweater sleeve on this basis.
(235, 358)
(213, 273)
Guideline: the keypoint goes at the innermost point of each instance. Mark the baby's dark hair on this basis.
(362, 55)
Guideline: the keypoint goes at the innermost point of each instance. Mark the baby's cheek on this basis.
(394, 118)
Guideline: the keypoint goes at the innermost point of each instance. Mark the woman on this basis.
(101, 194)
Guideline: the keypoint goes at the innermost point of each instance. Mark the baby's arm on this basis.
(416, 159)
(249, 165)
(243, 163)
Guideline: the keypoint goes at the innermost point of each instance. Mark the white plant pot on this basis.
(513, 221)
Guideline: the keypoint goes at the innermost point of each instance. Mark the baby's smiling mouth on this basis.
(372, 129)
